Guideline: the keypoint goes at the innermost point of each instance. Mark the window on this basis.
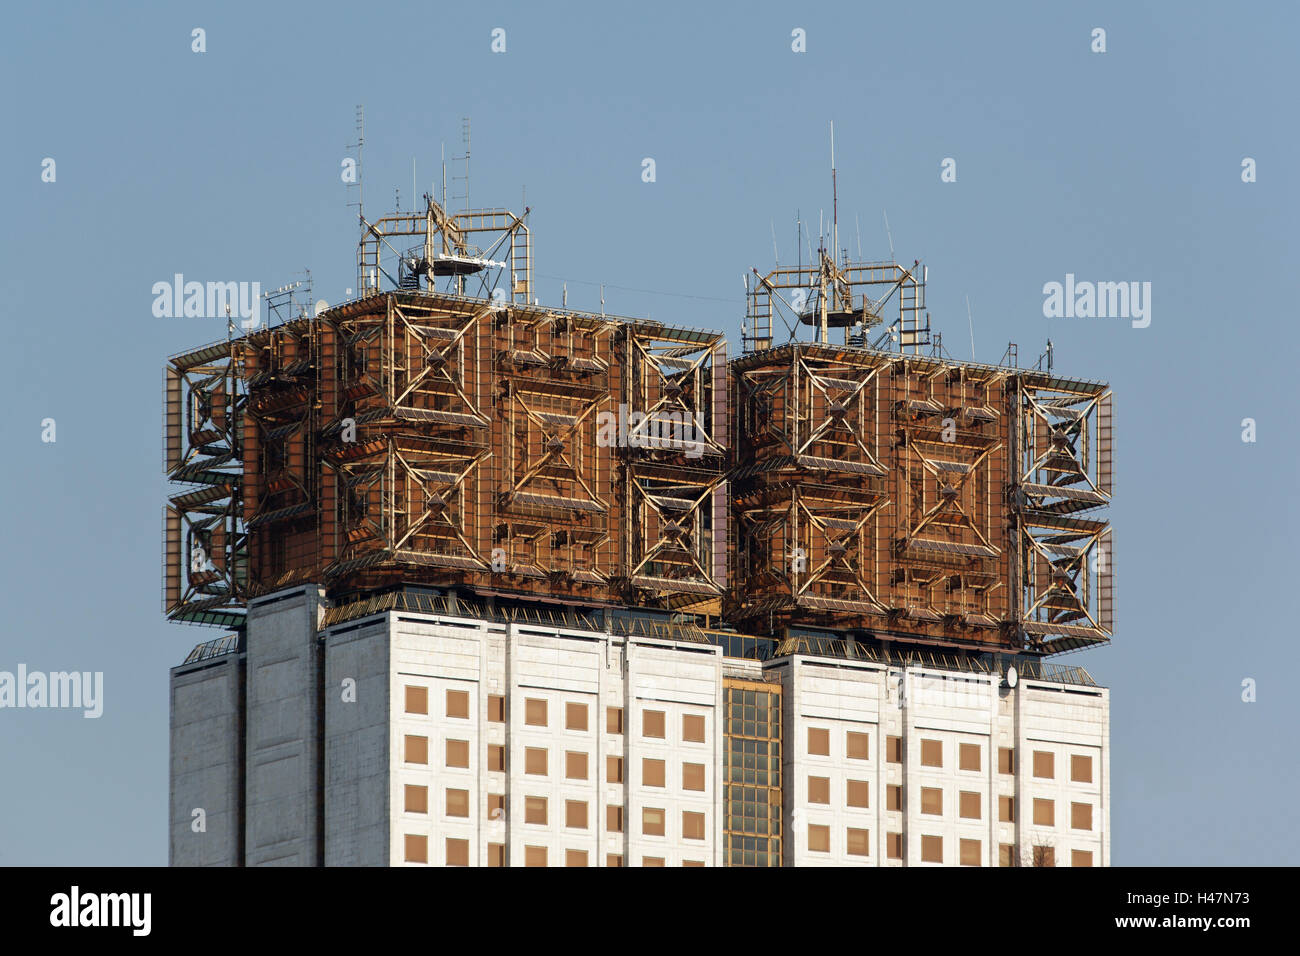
(417, 700)
(614, 769)
(858, 745)
(1007, 809)
(1081, 816)
(496, 806)
(535, 712)
(534, 856)
(819, 789)
(417, 799)
(1044, 856)
(535, 761)
(894, 796)
(932, 801)
(686, 863)
(614, 723)
(457, 753)
(968, 805)
(575, 718)
(457, 802)
(496, 757)
(1080, 769)
(652, 772)
(894, 749)
(614, 819)
(652, 861)
(496, 854)
(457, 703)
(969, 757)
(613, 859)
(819, 838)
(857, 793)
(693, 728)
(931, 753)
(575, 765)
(858, 842)
(970, 853)
(496, 708)
(894, 846)
(1044, 813)
(457, 852)
(575, 857)
(535, 810)
(1044, 764)
(1080, 858)
(692, 825)
(417, 749)
(931, 849)
(652, 723)
(1006, 760)
(652, 821)
(819, 741)
(1006, 854)
(417, 848)
(575, 815)
(693, 776)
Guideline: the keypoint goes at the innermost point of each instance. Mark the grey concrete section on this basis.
(205, 795)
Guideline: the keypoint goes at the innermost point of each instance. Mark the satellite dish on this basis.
(321, 306)
(1012, 677)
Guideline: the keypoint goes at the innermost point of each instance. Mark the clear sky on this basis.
(1117, 166)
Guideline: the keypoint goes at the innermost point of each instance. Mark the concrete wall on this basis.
(206, 723)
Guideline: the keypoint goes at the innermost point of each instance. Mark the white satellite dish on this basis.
(1012, 677)
(321, 306)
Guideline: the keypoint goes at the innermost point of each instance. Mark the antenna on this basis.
(857, 228)
(413, 192)
(889, 234)
(361, 141)
(775, 255)
(835, 201)
(971, 319)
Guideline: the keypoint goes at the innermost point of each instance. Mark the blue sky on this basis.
(1115, 166)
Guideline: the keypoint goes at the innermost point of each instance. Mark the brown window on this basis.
(969, 805)
(535, 712)
(496, 806)
(652, 861)
(417, 700)
(614, 819)
(417, 799)
(535, 761)
(575, 857)
(613, 859)
(614, 722)
(534, 856)
(894, 749)
(931, 849)
(894, 796)
(819, 838)
(457, 753)
(1044, 813)
(858, 745)
(652, 821)
(819, 789)
(969, 756)
(970, 853)
(1006, 760)
(417, 749)
(692, 825)
(857, 793)
(1006, 854)
(457, 703)
(575, 815)
(1044, 856)
(496, 708)
(614, 769)
(535, 810)
(1007, 809)
(1044, 764)
(1080, 768)
(417, 848)
(652, 723)
(693, 728)
(496, 854)
(931, 753)
(932, 801)
(575, 718)
(575, 765)
(457, 802)
(496, 757)
(819, 741)
(652, 772)
(457, 852)
(692, 863)
(859, 842)
(1081, 816)
(894, 846)
(1080, 858)
(693, 776)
